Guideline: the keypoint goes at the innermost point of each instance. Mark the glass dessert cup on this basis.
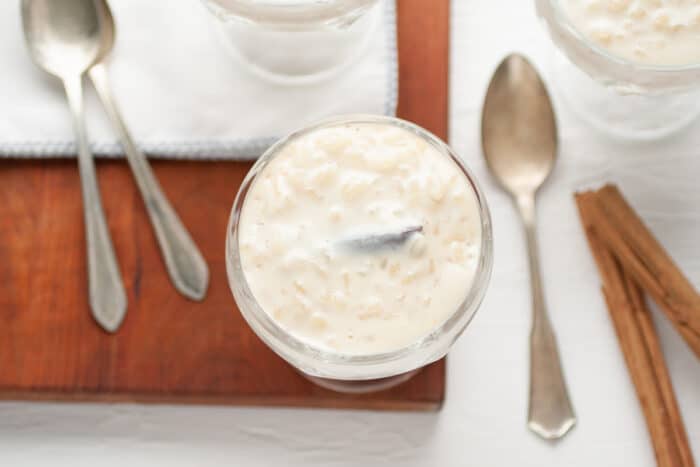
(365, 372)
(295, 41)
(617, 96)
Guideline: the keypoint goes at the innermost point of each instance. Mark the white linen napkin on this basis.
(181, 93)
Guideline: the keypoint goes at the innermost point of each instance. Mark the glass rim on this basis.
(308, 358)
(294, 11)
(574, 33)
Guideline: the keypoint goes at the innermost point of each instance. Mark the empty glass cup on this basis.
(295, 41)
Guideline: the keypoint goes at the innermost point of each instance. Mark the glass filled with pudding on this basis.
(358, 250)
(629, 67)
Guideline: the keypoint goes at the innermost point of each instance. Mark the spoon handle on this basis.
(184, 262)
(106, 291)
(550, 413)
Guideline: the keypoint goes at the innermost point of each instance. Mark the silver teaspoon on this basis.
(62, 39)
(187, 269)
(519, 140)
(379, 241)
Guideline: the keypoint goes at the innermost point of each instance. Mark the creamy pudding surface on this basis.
(650, 32)
(360, 238)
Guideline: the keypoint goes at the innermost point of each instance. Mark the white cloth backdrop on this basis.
(483, 420)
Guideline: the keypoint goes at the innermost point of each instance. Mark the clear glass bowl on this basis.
(618, 96)
(295, 41)
(366, 372)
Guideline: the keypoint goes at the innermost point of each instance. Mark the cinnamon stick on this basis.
(640, 345)
(641, 256)
(661, 375)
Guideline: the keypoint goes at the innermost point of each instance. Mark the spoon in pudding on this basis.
(379, 241)
(519, 141)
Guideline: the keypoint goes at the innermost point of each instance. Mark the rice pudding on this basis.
(360, 238)
(650, 32)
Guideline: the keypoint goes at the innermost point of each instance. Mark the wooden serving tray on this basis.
(170, 349)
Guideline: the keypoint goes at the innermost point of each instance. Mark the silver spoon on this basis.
(187, 269)
(519, 139)
(62, 37)
(380, 241)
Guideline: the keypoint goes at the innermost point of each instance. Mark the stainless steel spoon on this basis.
(185, 264)
(519, 140)
(379, 241)
(62, 37)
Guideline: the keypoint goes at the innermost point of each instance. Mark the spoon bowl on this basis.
(519, 132)
(108, 31)
(62, 37)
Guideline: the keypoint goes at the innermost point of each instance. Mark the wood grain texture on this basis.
(170, 349)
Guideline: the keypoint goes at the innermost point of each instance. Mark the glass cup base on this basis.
(361, 386)
(300, 55)
(621, 113)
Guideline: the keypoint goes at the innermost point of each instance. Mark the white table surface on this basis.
(483, 420)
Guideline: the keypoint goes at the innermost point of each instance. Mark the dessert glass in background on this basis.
(295, 41)
(358, 250)
(628, 67)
